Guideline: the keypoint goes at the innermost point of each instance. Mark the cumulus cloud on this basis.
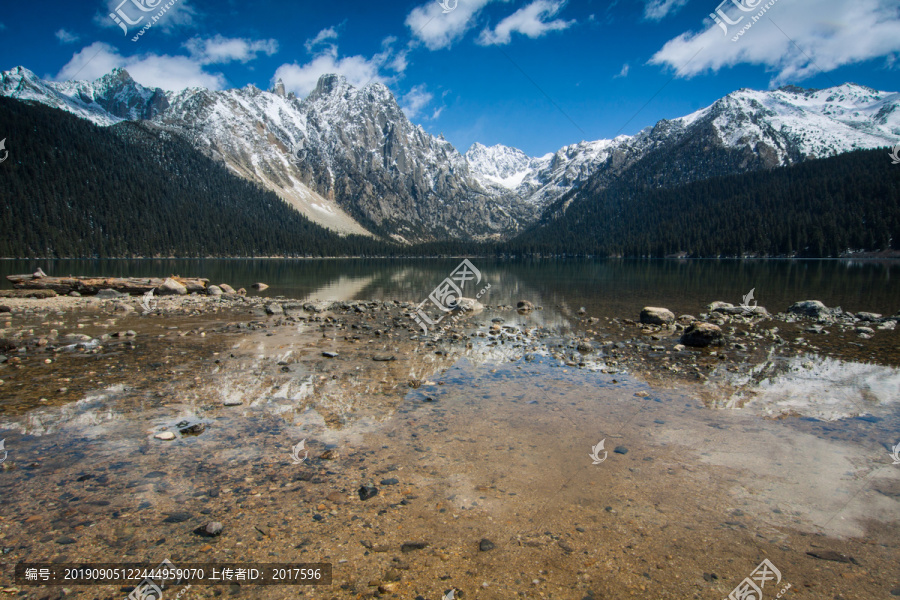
(220, 49)
(150, 70)
(438, 30)
(66, 37)
(792, 39)
(301, 79)
(359, 70)
(655, 10)
(415, 100)
(530, 20)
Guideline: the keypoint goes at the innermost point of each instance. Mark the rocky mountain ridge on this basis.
(349, 158)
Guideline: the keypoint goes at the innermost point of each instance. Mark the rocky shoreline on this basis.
(426, 469)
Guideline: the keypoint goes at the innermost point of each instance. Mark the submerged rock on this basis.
(260, 286)
(211, 529)
(367, 491)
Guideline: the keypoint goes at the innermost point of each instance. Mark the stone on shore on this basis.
(653, 315)
(701, 335)
(469, 305)
(812, 308)
(227, 288)
(214, 290)
(171, 287)
(867, 316)
(524, 306)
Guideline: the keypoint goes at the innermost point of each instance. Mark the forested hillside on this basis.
(818, 208)
(71, 189)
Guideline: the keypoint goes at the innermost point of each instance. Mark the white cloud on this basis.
(66, 37)
(179, 15)
(831, 33)
(151, 70)
(436, 29)
(437, 112)
(329, 33)
(220, 49)
(415, 100)
(359, 70)
(623, 72)
(655, 10)
(529, 20)
(301, 79)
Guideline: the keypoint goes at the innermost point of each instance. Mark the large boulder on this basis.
(171, 287)
(812, 308)
(701, 335)
(653, 315)
(214, 290)
(226, 288)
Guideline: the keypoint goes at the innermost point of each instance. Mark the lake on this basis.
(606, 287)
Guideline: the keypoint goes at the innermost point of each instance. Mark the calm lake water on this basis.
(605, 287)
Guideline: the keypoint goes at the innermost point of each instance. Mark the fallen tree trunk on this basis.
(91, 285)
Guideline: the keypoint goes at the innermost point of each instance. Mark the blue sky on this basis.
(534, 74)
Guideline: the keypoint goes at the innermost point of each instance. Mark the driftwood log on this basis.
(91, 285)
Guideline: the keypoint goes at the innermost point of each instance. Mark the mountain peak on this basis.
(331, 85)
(120, 74)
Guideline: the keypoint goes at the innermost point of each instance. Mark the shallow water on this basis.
(491, 442)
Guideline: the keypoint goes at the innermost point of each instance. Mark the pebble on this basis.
(330, 354)
(621, 450)
(485, 544)
(410, 546)
(165, 435)
(177, 517)
(233, 402)
(195, 429)
(391, 481)
(367, 491)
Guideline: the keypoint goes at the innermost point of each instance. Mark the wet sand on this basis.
(479, 447)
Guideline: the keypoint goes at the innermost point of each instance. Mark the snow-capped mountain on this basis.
(349, 158)
(771, 129)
